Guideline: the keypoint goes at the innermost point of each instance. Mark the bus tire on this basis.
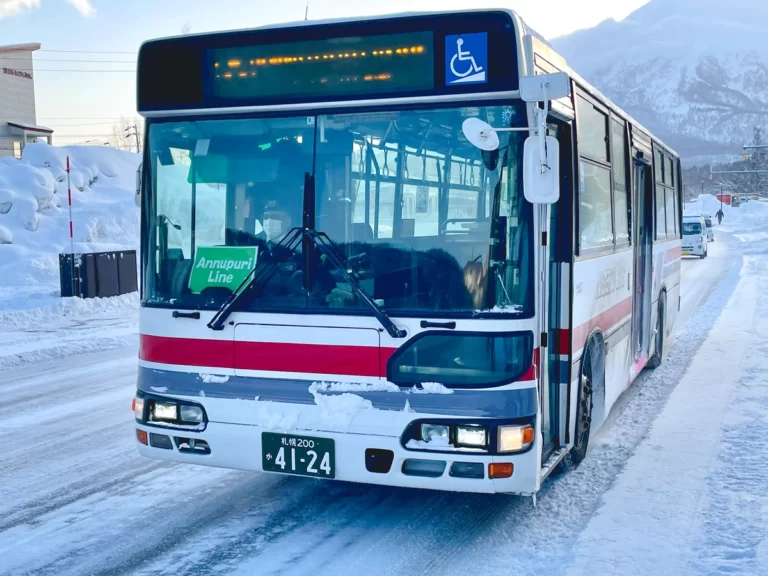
(584, 414)
(658, 352)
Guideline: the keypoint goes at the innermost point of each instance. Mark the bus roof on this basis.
(523, 28)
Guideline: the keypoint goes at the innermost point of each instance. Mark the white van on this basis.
(694, 236)
(710, 229)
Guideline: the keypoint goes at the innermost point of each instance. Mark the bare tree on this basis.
(757, 161)
(186, 28)
(116, 139)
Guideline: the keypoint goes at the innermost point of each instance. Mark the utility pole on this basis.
(135, 133)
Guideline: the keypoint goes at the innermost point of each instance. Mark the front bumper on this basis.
(693, 250)
(239, 446)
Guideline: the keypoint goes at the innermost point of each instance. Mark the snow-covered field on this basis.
(675, 482)
(35, 322)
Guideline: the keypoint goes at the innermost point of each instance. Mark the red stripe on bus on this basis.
(533, 371)
(673, 254)
(604, 321)
(561, 340)
(309, 358)
(269, 356)
(278, 356)
(187, 351)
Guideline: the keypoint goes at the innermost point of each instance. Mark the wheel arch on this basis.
(595, 344)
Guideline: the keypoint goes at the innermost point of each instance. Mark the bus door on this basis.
(554, 391)
(642, 231)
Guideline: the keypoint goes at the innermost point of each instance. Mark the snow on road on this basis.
(687, 502)
(68, 327)
(75, 498)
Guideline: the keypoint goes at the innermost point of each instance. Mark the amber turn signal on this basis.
(500, 470)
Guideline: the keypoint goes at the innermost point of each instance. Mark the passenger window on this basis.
(661, 219)
(620, 188)
(671, 212)
(593, 131)
(669, 172)
(595, 226)
(659, 166)
(420, 212)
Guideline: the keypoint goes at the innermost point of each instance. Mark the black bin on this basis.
(98, 274)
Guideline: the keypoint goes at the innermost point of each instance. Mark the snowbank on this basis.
(34, 218)
(750, 217)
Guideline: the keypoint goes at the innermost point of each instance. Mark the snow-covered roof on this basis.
(31, 127)
(31, 47)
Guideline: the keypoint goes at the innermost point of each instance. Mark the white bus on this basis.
(414, 250)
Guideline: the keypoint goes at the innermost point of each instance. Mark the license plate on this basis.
(302, 455)
(686, 252)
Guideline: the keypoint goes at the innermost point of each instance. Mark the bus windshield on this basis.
(691, 228)
(426, 222)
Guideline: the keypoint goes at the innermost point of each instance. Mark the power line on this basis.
(3, 58)
(74, 118)
(68, 70)
(85, 52)
(88, 124)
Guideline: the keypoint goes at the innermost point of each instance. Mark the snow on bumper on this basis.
(239, 446)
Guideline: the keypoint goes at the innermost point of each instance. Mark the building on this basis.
(18, 120)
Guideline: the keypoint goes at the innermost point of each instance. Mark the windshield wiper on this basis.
(331, 251)
(257, 278)
(255, 281)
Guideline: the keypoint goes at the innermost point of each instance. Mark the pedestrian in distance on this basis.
(720, 216)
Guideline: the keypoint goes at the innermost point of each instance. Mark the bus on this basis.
(412, 250)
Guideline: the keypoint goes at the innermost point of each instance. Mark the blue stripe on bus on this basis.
(466, 403)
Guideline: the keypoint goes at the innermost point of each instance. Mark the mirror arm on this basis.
(542, 130)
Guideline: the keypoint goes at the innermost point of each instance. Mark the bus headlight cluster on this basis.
(515, 438)
(465, 436)
(168, 412)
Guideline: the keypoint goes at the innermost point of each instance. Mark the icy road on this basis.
(675, 482)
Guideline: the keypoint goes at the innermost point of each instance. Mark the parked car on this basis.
(710, 229)
(694, 236)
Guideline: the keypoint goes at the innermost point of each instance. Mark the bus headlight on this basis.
(515, 438)
(471, 436)
(164, 412)
(438, 432)
(191, 414)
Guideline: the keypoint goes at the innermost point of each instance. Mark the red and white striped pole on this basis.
(69, 201)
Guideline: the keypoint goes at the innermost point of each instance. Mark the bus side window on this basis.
(619, 161)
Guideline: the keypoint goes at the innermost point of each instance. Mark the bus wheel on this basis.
(584, 415)
(658, 353)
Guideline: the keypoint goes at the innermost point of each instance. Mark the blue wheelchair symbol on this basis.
(466, 59)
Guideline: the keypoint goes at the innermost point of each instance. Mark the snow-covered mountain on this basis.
(695, 72)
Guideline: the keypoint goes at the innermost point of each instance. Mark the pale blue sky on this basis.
(74, 102)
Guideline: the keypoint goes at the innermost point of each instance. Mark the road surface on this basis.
(75, 498)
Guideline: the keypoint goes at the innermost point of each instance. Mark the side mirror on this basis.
(137, 197)
(541, 182)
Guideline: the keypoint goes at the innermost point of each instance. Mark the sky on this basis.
(104, 36)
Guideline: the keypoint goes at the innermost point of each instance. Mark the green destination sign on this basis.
(221, 267)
